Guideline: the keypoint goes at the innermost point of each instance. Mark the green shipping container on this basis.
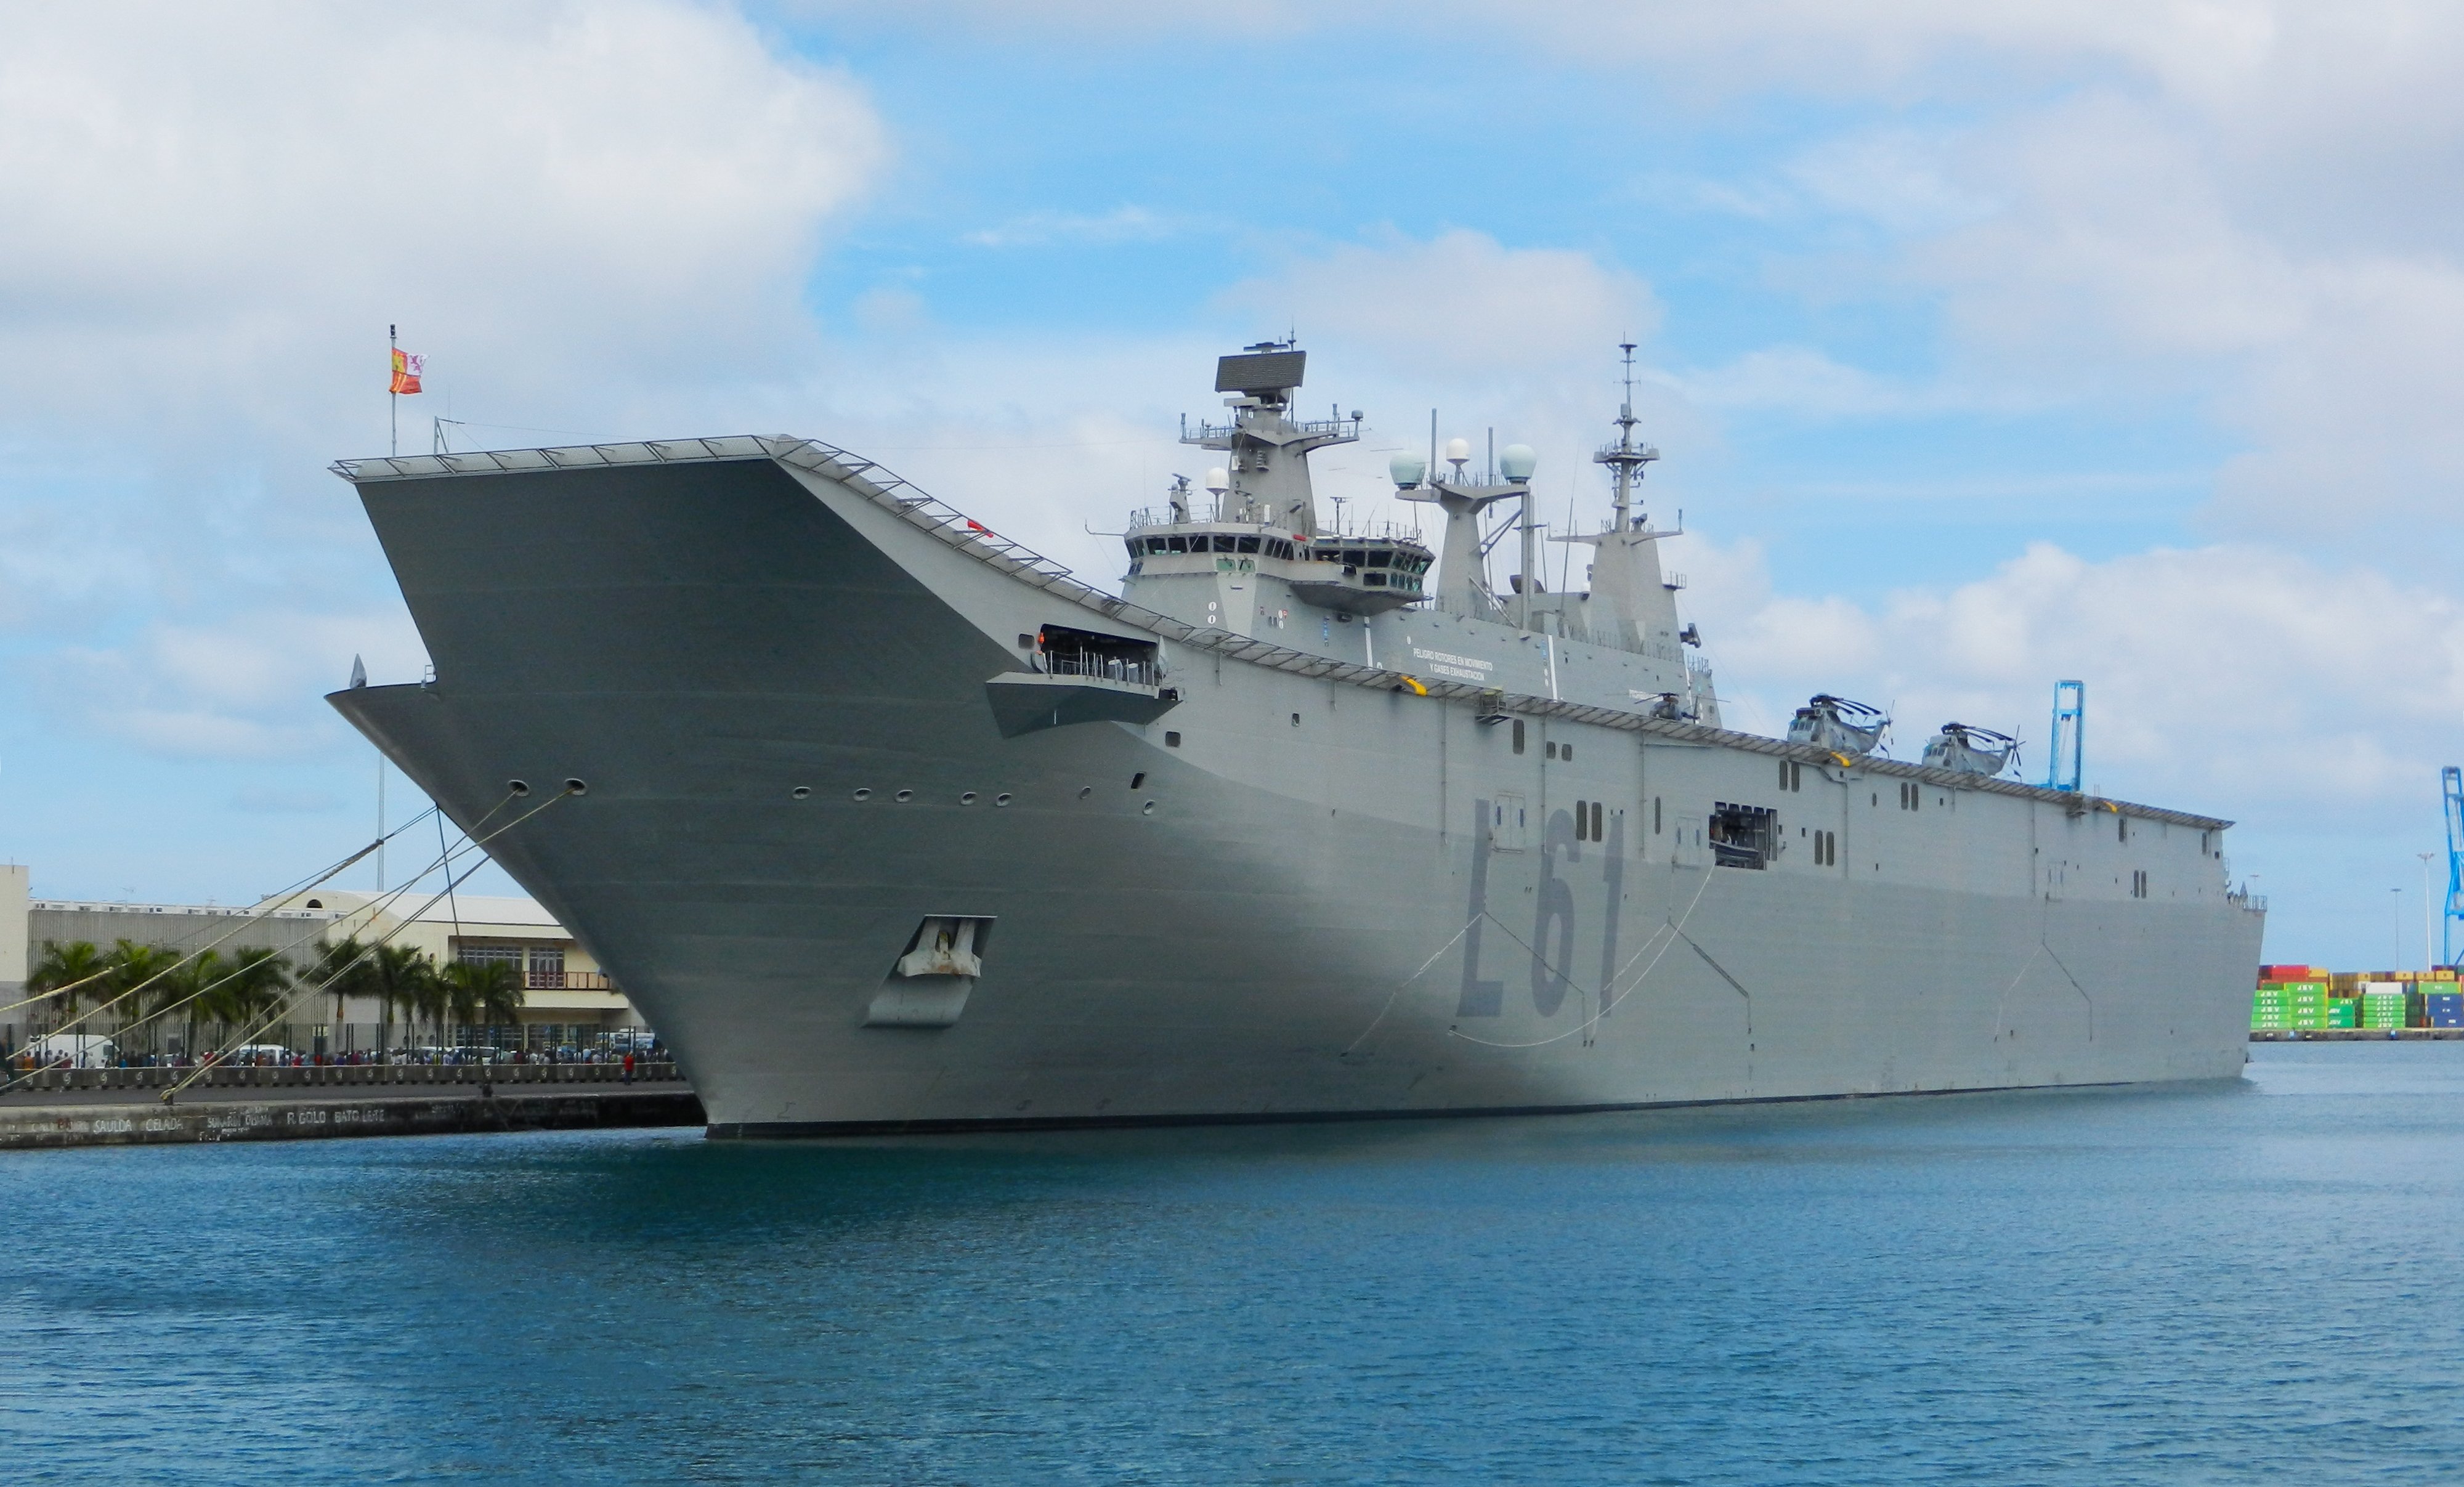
(2339, 1013)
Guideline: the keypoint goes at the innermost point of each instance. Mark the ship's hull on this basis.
(1306, 903)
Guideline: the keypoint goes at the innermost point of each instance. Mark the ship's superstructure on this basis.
(887, 824)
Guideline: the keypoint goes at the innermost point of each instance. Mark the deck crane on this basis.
(2450, 781)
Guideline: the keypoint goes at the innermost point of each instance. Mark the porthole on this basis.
(904, 796)
(802, 792)
(863, 795)
(1296, 720)
(575, 787)
(1083, 791)
(1147, 809)
(966, 797)
(1002, 798)
(518, 787)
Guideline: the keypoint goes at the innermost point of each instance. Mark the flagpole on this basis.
(393, 399)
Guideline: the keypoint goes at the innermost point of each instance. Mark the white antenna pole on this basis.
(393, 437)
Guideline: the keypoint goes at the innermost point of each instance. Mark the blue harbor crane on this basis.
(2450, 781)
(2070, 727)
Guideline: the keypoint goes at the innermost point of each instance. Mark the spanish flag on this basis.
(406, 369)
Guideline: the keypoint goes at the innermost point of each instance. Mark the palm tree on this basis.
(135, 965)
(190, 987)
(68, 970)
(483, 990)
(429, 996)
(343, 970)
(398, 976)
(254, 984)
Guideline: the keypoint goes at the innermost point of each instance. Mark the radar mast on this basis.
(1626, 457)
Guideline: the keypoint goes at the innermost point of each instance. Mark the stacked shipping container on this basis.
(2298, 998)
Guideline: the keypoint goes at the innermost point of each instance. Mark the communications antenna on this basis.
(2451, 782)
(1626, 457)
(2070, 727)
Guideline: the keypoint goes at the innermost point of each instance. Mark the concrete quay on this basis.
(122, 1117)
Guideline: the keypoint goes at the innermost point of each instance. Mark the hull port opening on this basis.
(1115, 658)
(1742, 835)
(929, 985)
(577, 787)
(518, 787)
(801, 792)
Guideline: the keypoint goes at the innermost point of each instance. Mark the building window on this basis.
(547, 966)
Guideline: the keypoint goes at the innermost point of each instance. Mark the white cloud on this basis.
(1896, 178)
(2214, 675)
(245, 688)
(1047, 229)
(583, 214)
(1804, 381)
(1460, 305)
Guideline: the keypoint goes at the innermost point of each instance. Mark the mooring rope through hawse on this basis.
(272, 907)
(470, 844)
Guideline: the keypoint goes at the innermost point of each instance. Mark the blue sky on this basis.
(1985, 345)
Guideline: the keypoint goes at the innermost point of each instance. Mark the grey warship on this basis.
(890, 824)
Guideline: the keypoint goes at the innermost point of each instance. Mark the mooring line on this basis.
(470, 844)
(272, 907)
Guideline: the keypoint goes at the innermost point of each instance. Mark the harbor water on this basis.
(2246, 1281)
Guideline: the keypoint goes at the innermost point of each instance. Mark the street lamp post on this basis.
(2396, 903)
(2428, 951)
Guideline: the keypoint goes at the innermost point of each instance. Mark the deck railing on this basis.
(1111, 669)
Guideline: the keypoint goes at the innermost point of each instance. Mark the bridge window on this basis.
(1247, 544)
